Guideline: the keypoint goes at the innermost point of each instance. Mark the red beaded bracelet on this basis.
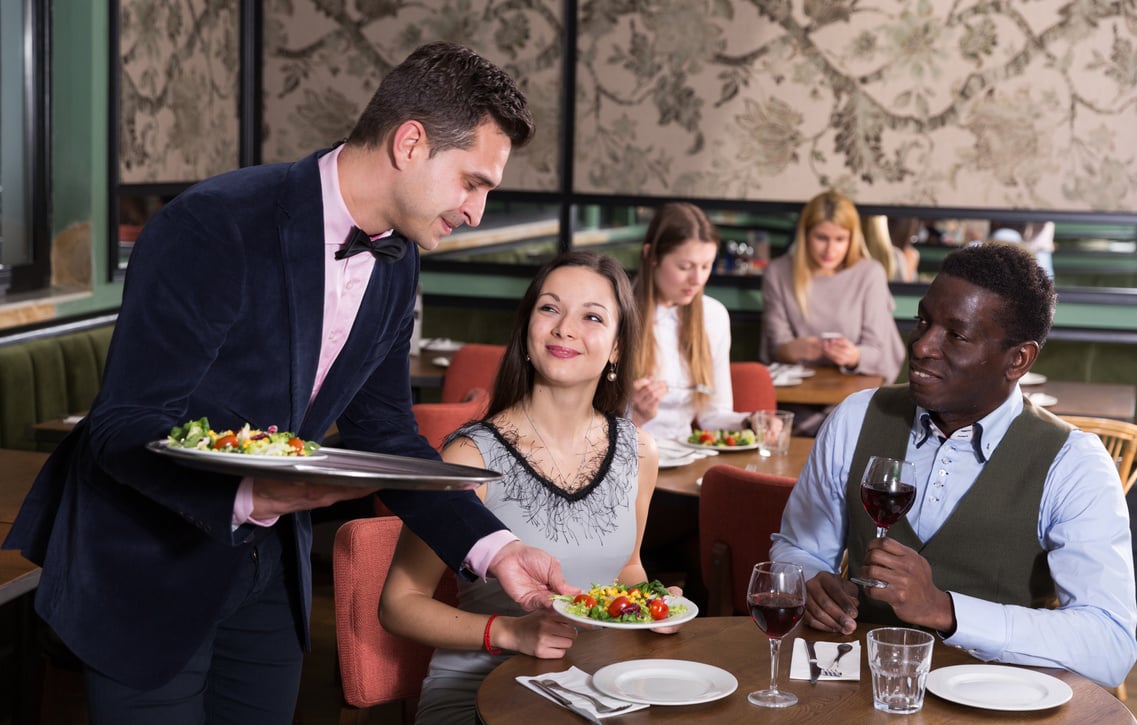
(486, 637)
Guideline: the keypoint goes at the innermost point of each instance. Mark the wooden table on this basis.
(1097, 400)
(424, 373)
(686, 479)
(736, 645)
(20, 469)
(827, 386)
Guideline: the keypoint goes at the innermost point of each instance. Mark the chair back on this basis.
(738, 511)
(1119, 439)
(438, 420)
(474, 365)
(753, 387)
(376, 667)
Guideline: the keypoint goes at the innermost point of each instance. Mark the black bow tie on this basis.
(390, 248)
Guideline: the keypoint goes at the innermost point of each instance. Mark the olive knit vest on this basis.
(988, 547)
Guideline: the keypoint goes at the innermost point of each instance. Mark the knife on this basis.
(814, 668)
(565, 702)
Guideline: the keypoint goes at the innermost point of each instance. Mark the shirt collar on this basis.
(338, 221)
(984, 435)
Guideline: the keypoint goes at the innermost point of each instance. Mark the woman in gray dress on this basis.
(577, 480)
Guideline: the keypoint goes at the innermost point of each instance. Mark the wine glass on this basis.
(888, 490)
(777, 602)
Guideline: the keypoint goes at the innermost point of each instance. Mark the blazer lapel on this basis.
(300, 220)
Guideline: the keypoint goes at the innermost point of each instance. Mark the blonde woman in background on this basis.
(685, 340)
(826, 302)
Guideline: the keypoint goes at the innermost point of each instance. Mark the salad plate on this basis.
(664, 682)
(561, 607)
(251, 459)
(721, 449)
(998, 687)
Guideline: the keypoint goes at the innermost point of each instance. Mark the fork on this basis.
(601, 708)
(842, 649)
(698, 388)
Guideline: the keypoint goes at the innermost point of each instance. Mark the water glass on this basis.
(899, 659)
(773, 428)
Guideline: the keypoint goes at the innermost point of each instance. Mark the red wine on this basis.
(887, 502)
(775, 614)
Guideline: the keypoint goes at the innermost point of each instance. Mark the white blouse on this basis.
(677, 410)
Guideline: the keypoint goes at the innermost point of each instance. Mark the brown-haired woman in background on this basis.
(686, 335)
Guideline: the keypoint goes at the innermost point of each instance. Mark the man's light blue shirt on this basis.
(1083, 524)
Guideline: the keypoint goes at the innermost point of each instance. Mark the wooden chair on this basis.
(438, 420)
(376, 667)
(474, 365)
(738, 511)
(1119, 438)
(753, 387)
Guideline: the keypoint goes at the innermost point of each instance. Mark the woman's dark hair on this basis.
(515, 376)
(450, 90)
(1010, 271)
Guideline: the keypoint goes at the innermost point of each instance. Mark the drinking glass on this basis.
(899, 659)
(776, 597)
(888, 489)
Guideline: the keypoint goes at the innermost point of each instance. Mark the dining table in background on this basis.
(1093, 400)
(425, 373)
(686, 479)
(827, 386)
(736, 645)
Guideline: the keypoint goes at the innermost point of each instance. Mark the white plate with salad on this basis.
(722, 440)
(623, 607)
(252, 459)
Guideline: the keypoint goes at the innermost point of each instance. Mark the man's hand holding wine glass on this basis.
(910, 588)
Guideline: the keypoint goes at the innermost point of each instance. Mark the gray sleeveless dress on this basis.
(591, 531)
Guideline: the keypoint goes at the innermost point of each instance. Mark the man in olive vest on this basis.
(1014, 511)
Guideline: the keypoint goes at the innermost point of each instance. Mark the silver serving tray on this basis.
(339, 467)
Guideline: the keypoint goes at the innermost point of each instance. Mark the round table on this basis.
(736, 645)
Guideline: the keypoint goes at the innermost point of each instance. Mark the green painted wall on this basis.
(80, 55)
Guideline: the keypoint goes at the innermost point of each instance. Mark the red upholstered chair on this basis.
(376, 667)
(753, 387)
(474, 365)
(738, 511)
(438, 420)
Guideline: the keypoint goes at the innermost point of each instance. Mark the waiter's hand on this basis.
(273, 497)
(530, 576)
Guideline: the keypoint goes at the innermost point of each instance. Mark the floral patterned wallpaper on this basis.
(965, 103)
(323, 59)
(952, 103)
(178, 114)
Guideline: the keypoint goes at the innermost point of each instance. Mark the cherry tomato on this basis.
(229, 441)
(620, 606)
(658, 609)
(296, 444)
(730, 441)
(706, 437)
(588, 601)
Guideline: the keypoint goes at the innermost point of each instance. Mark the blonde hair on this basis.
(879, 243)
(673, 225)
(828, 206)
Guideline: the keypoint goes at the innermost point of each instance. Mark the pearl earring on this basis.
(612, 372)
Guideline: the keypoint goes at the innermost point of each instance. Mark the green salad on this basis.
(640, 603)
(197, 434)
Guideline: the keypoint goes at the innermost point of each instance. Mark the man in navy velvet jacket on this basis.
(186, 594)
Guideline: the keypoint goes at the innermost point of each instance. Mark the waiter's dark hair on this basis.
(450, 90)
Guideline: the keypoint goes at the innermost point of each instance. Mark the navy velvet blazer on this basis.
(221, 317)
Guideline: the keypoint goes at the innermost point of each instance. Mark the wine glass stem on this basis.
(881, 532)
(774, 645)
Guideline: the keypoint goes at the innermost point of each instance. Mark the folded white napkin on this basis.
(849, 666)
(577, 679)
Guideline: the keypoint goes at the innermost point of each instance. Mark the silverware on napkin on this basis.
(814, 668)
(563, 701)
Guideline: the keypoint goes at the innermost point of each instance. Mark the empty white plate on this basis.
(664, 682)
(998, 687)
